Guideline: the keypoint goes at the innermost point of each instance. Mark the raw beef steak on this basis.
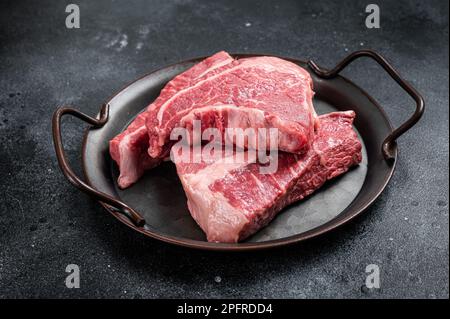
(232, 200)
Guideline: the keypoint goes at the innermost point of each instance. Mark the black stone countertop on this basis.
(46, 224)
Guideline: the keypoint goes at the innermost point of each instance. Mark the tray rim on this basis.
(246, 246)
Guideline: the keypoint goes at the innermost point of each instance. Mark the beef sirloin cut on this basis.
(280, 90)
(232, 200)
(129, 148)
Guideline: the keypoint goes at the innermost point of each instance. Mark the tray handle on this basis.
(119, 206)
(389, 144)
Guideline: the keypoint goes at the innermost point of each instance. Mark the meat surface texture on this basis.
(231, 200)
(270, 91)
(129, 148)
(255, 125)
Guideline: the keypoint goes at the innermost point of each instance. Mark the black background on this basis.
(46, 224)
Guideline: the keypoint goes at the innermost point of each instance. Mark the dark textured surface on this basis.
(46, 224)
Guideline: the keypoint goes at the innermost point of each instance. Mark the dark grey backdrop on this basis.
(46, 224)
